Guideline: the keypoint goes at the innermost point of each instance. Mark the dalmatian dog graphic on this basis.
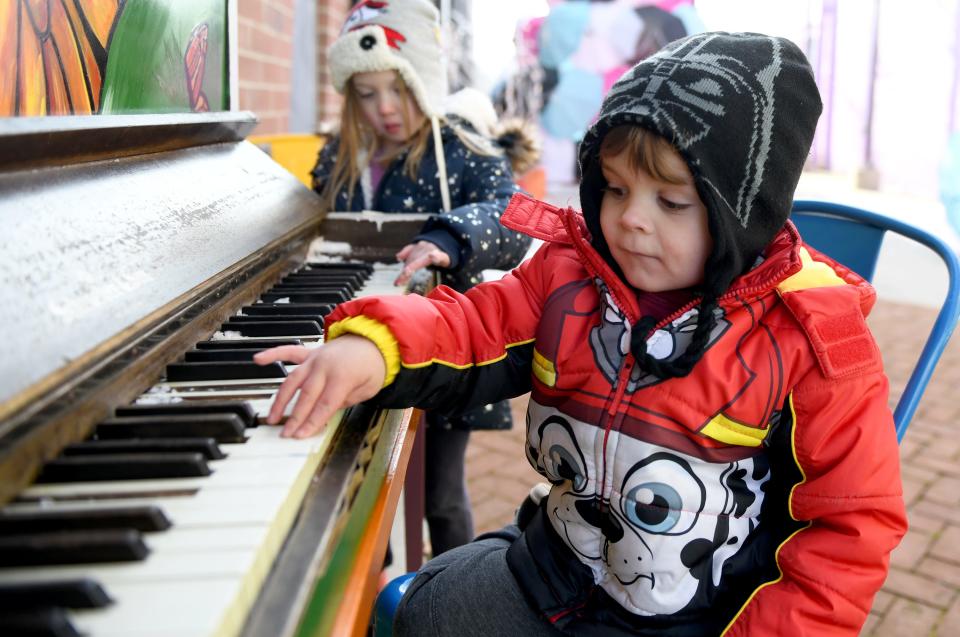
(656, 533)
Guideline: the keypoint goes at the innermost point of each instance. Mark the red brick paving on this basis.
(922, 592)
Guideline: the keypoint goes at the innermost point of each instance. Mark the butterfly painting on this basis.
(58, 50)
(83, 57)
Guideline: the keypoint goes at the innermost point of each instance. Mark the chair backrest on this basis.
(853, 237)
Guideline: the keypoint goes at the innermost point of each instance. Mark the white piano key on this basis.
(162, 565)
(203, 539)
(237, 336)
(193, 608)
(213, 507)
(264, 460)
(177, 396)
(229, 473)
(252, 383)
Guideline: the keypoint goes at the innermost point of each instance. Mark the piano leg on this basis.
(413, 501)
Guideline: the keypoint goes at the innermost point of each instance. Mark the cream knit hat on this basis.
(400, 35)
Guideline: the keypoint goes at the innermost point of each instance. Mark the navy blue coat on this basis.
(480, 188)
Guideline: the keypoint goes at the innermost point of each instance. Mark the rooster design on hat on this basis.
(367, 11)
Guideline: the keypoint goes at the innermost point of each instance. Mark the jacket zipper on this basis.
(623, 378)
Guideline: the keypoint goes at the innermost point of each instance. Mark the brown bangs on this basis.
(645, 151)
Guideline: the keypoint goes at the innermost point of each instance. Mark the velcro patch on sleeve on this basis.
(848, 341)
(842, 341)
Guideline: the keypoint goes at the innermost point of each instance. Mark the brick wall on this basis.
(330, 17)
(265, 51)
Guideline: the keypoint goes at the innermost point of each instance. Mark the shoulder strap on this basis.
(441, 163)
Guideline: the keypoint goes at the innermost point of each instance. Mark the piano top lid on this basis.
(94, 242)
(26, 142)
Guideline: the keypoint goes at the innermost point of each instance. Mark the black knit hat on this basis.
(741, 109)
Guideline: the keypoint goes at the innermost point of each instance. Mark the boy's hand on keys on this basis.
(343, 372)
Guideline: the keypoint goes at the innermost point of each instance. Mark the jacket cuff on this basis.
(445, 241)
(377, 332)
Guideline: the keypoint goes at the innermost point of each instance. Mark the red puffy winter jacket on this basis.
(759, 495)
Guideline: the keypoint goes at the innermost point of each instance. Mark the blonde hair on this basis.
(645, 150)
(356, 138)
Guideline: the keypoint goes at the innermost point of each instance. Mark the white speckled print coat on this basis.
(480, 188)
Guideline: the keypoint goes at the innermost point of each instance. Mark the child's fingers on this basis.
(316, 420)
(311, 388)
(405, 252)
(337, 393)
(411, 267)
(318, 412)
(286, 392)
(295, 354)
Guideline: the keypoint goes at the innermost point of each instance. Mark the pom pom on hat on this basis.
(393, 35)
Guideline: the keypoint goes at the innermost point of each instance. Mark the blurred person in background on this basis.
(568, 60)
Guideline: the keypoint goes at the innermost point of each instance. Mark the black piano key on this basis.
(241, 409)
(315, 285)
(224, 370)
(212, 355)
(142, 518)
(332, 267)
(347, 282)
(353, 281)
(305, 295)
(222, 427)
(207, 447)
(275, 318)
(290, 309)
(239, 343)
(73, 593)
(37, 622)
(124, 466)
(299, 327)
(72, 547)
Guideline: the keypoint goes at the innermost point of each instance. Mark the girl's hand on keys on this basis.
(420, 255)
(341, 373)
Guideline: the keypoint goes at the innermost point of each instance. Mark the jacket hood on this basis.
(741, 109)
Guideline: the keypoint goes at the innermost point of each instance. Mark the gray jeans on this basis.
(469, 592)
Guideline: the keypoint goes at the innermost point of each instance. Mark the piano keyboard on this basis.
(148, 529)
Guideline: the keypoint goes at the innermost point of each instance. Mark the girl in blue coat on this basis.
(396, 152)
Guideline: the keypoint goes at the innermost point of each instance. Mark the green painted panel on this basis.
(167, 56)
(330, 587)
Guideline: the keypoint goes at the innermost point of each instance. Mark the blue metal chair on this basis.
(853, 237)
(386, 606)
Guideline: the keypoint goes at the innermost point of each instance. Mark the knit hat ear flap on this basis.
(393, 35)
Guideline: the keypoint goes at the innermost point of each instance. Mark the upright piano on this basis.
(143, 259)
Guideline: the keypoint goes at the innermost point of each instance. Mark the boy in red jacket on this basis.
(706, 402)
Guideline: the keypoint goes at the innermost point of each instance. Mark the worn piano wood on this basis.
(127, 239)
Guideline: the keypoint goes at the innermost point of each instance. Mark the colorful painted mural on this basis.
(84, 57)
